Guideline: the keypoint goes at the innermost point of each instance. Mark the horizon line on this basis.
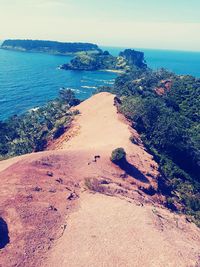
(106, 45)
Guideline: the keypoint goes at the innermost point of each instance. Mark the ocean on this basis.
(29, 80)
(180, 62)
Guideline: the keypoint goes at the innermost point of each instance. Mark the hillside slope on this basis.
(52, 217)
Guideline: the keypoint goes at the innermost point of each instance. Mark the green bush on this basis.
(118, 155)
(59, 131)
(68, 96)
(32, 131)
(76, 112)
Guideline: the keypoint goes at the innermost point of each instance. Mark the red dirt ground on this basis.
(52, 219)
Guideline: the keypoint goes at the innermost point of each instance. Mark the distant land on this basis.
(125, 61)
(88, 56)
(51, 47)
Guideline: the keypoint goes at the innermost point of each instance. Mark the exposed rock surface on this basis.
(134, 57)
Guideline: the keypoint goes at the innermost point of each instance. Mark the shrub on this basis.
(68, 96)
(94, 184)
(59, 131)
(170, 203)
(118, 155)
(76, 112)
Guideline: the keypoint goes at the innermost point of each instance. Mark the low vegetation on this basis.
(33, 130)
(94, 184)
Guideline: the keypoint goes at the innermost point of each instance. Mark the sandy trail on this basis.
(100, 128)
(108, 231)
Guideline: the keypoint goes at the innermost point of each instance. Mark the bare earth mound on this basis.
(49, 217)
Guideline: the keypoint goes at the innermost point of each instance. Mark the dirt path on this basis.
(99, 129)
(108, 231)
(99, 126)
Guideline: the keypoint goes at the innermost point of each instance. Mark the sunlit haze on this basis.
(172, 24)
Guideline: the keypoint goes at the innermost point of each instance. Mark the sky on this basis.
(159, 24)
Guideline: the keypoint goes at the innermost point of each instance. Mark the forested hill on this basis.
(127, 60)
(49, 46)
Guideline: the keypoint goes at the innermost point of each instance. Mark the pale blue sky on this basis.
(172, 24)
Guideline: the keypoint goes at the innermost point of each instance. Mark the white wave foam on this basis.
(89, 87)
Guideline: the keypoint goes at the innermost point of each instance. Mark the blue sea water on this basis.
(180, 62)
(28, 80)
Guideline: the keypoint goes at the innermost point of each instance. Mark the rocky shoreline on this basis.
(127, 60)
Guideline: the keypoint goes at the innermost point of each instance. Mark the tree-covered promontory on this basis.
(49, 46)
(127, 60)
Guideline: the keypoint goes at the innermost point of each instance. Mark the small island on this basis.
(87, 56)
(51, 47)
(127, 60)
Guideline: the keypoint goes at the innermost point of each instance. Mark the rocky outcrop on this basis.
(104, 61)
(134, 57)
(164, 87)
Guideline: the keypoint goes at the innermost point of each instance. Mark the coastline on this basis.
(113, 71)
(56, 53)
